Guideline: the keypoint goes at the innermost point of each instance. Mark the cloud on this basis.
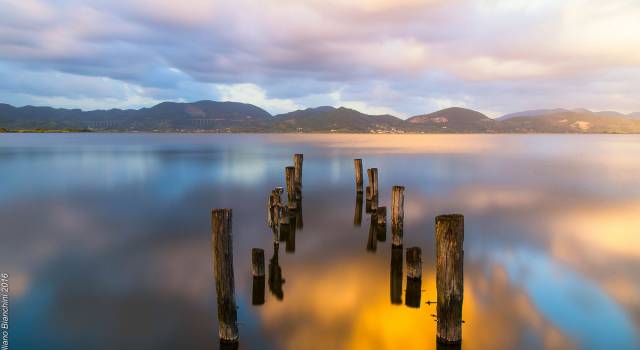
(497, 56)
(250, 93)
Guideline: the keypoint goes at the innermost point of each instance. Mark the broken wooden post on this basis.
(297, 161)
(396, 276)
(257, 262)
(368, 200)
(449, 277)
(397, 215)
(290, 173)
(414, 263)
(381, 224)
(274, 212)
(357, 216)
(222, 248)
(357, 164)
(373, 187)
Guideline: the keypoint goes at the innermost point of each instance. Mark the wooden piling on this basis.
(449, 277)
(257, 262)
(297, 161)
(395, 287)
(274, 212)
(414, 263)
(373, 187)
(357, 164)
(222, 248)
(290, 173)
(397, 215)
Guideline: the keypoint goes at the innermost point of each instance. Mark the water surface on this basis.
(107, 239)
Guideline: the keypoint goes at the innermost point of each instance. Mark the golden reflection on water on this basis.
(346, 306)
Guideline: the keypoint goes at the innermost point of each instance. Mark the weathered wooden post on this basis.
(396, 276)
(357, 164)
(381, 221)
(449, 277)
(373, 187)
(257, 262)
(357, 216)
(397, 215)
(297, 161)
(222, 248)
(290, 173)
(274, 212)
(368, 200)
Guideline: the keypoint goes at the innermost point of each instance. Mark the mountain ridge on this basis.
(228, 116)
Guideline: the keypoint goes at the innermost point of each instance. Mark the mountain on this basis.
(330, 119)
(163, 116)
(634, 115)
(453, 119)
(531, 113)
(211, 116)
(573, 121)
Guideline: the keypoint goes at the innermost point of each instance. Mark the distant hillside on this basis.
(163, 116)
(453, 119)
(210, 116)
(532, 113)
(575, 121)
(330, 119)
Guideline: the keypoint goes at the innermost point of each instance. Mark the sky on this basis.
(402, 57)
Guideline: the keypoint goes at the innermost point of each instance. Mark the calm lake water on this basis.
(106, 238)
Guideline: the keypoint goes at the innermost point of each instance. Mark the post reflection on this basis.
(290, 241)
(275, 274)
(228, 346)
(357, 216)
(381, 224)
(257, 291)
(396, 276)
(413, 292)
(441, 346)
(372, 241)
